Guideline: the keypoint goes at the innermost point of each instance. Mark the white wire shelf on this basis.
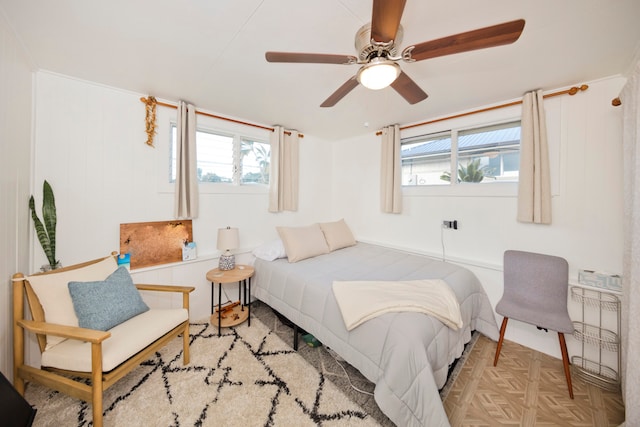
(597, 336)
(595, 373)
(596, 299)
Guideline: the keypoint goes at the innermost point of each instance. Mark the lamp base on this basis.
(227, 262)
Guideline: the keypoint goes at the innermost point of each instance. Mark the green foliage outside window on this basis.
(261, 155)
(472, 172)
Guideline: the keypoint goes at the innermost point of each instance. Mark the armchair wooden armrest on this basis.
(185, 290)
(165, 288)
(70, 332)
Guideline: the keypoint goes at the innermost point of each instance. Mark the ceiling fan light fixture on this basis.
(378, 73)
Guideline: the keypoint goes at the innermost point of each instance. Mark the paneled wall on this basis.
(585, 142)
(15, 173)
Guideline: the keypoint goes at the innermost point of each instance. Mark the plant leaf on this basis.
(41, 232)
(446, 176)
(49, 217)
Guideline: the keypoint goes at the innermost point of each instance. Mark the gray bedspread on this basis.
(406, 355)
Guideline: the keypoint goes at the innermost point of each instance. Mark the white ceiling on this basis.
(211, 53)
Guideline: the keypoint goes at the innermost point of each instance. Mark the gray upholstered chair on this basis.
(535, 292)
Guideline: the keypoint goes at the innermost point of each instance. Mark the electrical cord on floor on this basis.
(335, 357)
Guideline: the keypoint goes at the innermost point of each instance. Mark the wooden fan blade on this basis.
(496, 35)
(385, 19)
(408, 89)
(309, 58)
(342, 91)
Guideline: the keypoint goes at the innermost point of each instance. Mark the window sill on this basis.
(201, 258)
(493, 189)
(220, 188)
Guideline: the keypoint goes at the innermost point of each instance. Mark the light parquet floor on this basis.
(527, 388)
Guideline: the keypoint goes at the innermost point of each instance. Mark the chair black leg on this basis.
(565, 362)
(503, 328)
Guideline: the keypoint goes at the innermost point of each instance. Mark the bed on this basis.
(405, 354)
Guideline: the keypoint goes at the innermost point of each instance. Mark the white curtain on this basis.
(391, 171)
(534, 184)
(186, 193)
(285, 164)
(630, 98)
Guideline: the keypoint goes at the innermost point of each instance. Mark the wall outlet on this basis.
(450, 224)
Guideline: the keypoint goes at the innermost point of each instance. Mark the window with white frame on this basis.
(477, 155)
(226, 158)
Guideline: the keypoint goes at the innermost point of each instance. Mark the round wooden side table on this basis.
(232, 313)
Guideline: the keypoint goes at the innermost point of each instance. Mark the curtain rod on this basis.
(202, 113)
(571, 91)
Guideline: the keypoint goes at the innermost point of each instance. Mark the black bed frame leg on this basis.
(295, 337)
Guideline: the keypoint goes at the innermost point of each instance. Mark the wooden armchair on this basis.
(102, 356)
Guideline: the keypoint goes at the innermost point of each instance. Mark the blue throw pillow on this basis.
(105, 304)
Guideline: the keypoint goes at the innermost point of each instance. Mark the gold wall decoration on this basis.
(150, 119)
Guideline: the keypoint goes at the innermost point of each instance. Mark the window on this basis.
(255, 164)
(226, 158)
(486, 154)
(425, 158)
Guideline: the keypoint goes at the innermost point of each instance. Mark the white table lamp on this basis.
(227, 240)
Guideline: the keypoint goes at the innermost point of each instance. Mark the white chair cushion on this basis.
(126, 340)
(53, 292)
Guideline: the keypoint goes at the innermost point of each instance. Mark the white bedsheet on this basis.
(406, 354)
(363, 300)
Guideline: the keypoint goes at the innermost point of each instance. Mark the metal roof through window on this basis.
(467, 142)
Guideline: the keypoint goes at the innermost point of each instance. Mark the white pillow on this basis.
(270, 251)
(303, 242)
(337, 234)
(53, 292)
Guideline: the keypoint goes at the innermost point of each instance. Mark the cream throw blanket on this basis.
(360, 301)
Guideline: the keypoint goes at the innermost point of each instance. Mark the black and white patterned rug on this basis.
(246, 377)
(344, 376)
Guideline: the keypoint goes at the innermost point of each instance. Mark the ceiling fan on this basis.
(377, 45)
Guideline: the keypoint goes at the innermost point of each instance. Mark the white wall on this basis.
(90, 145)
(586, 157)
(15, 173)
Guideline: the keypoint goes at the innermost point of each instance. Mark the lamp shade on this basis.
(378, 73)
(227, 238)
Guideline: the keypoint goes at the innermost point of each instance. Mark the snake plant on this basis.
(46, 232)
